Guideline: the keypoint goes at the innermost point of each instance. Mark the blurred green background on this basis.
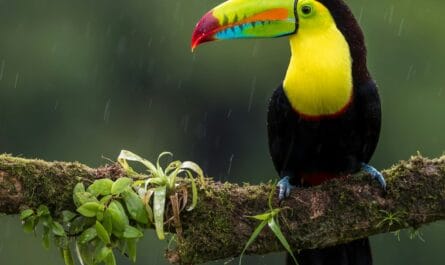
(81, 80)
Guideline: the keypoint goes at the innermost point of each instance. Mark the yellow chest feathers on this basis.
(319, 78)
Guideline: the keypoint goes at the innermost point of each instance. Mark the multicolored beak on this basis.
(240, 19)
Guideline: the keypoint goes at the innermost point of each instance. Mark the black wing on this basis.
(281, 124)
(369, 107)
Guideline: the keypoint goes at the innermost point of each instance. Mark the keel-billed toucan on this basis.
(324, 119)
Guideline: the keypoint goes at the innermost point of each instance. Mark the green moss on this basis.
(215, 230)
(44, 182)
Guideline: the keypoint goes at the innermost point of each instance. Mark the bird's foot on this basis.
(285, 188)
(375, 174)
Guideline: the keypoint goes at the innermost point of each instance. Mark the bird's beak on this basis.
(238, 19)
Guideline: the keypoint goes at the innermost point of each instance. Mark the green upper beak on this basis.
(238, 19)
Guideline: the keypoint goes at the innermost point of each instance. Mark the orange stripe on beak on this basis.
(269, 15)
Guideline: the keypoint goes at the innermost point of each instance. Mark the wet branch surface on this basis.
(336, 212)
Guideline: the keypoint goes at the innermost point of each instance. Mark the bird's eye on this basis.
(307, 10)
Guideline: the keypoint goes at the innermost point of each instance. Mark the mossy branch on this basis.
(336, 212)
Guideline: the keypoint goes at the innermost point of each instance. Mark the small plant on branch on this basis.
(269, 218)
(112, 215)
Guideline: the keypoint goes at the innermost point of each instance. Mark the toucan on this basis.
(324, 118)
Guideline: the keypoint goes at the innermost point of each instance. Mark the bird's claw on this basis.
(375, 174)
(285, 188)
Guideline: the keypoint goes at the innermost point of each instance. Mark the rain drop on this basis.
(185, 122)
(360, 16)
(107, 111)
(230, 164)
(391, 14)
(255, 48)
(229, 113)
(17, 76)
(2, 70)
(252, 92)
(410, 72)
(402, 24)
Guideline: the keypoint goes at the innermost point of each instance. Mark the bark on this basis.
(336, 212)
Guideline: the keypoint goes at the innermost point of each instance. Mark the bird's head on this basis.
(240, 19)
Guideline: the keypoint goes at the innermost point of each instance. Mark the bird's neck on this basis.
(319, 78)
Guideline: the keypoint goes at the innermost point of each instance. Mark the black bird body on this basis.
(311, 150)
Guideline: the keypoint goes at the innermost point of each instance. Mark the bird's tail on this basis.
(357, 252)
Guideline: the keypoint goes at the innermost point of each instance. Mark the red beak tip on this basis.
(204, 30)
(195, 43)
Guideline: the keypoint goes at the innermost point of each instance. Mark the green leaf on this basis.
(195, 168)
(132, 232)
(26, 213)
(107, 222)
(46, 220)
(102, 254)
(158, 166)
(121, 209)
(149, 213)
(57, 229)
(273, 225)
(173, 166)
(79, 223)
(68, 216)
(67, 257)
(89, 209)
(30, 223)
(262, 217)
(127, 155)
(87, 235)
(172, 178)
(101, 187)
(120, 185)
(135, 206)
(42, 211)
(81, 198)
(158, 209)
(159, 181)
(46, 237)
(79, 188)
(252, 238)
(118, 216)
(110, 259)
(194, 195)
(100, 215)
(132, 249)
(62, 242)
(85, 254)
(106, 199)
(102, 233)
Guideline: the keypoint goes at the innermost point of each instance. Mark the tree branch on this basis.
(336, 212)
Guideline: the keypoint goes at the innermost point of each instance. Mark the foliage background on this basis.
(84, 79)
